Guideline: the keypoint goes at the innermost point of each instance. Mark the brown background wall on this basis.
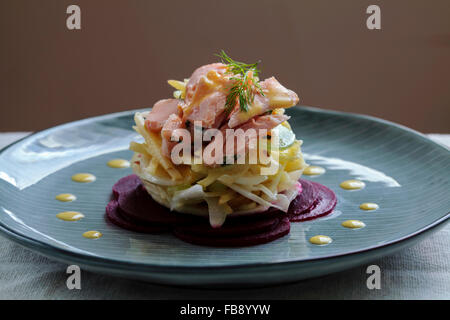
(127, 49)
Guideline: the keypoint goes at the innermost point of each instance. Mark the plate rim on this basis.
(117, 264)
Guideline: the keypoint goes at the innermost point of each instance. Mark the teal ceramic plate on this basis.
(405, 173)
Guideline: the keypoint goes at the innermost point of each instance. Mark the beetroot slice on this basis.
(269, 213)
(235, 227)
(113, 214)
(280, 230)
(305, 200)
(323, 204)
(139, 205)
(134, 209)
(126, 184)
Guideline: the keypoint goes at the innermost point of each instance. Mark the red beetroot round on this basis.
(114, 214)
(134, 209)
(138, 204)
(323, 203)
(280, 230)
(232, 227)
(126, 184)
(304, 200)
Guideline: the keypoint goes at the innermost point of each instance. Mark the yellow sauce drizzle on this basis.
(118, 163)
(83, 177)
(352, 185)
(70, 215)
(369, 206)
(320, 240)
(65, 197)
(353, 224)
(92, 234)
(313, 170)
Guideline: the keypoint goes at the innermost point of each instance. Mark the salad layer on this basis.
(222, 97)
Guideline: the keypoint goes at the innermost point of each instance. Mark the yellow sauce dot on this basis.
(65, 197)
(313, 170)
(83, 177)
(369, 206)
(352, 185)
(92, 234)
(320, 240)
(118, 163)
(70, 215)
(353, 224)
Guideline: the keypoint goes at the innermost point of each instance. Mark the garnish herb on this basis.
(245, 82)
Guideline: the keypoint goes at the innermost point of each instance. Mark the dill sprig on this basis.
(245, 82)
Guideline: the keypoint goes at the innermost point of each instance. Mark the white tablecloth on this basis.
(421, 272)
